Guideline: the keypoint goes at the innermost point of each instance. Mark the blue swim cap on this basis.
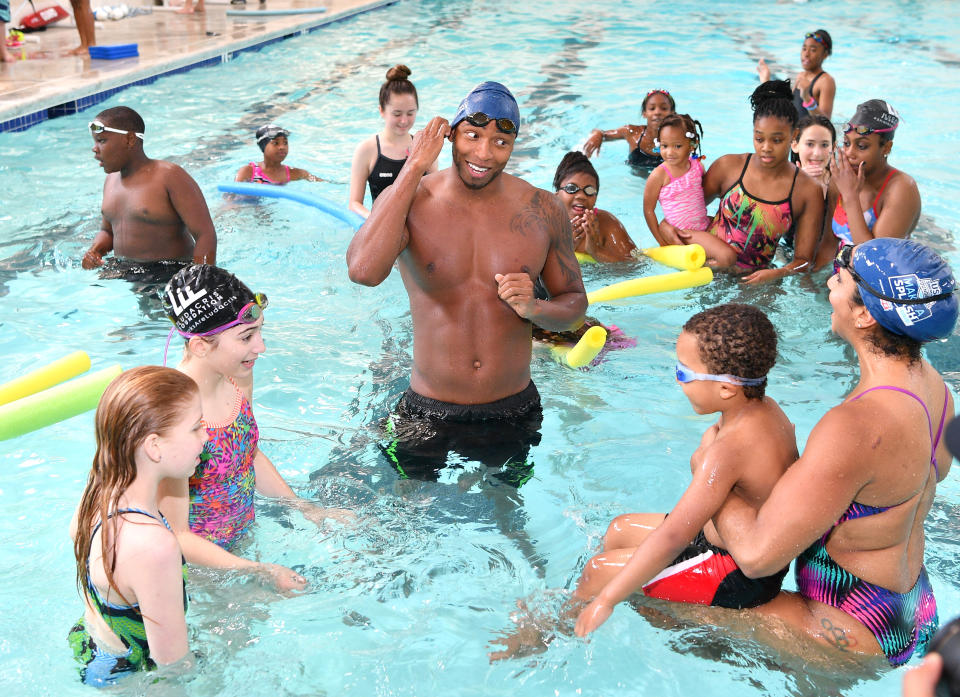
(893, 275)
(492, 99)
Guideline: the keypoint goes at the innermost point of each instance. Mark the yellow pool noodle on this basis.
(54, 405)
(685, 257)
(652, 284)
(47, 376)
(590, 344)
(585, 258)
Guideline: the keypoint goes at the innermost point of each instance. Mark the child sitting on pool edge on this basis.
(723, 357)
(274, 144)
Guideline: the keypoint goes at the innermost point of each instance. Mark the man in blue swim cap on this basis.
(469, 241)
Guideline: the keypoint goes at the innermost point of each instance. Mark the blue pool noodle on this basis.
(268, 191)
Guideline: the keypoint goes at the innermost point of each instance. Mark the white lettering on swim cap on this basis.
(186, 298)
(387, 174)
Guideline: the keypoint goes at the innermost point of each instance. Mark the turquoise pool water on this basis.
(406, 603)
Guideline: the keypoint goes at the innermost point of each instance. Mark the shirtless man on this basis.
(470, 240)
(153, 211)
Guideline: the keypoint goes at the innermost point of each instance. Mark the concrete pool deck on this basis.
(49, 82)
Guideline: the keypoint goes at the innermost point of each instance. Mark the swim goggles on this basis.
(479, 119)
(685, 375)
(866, 130)
(816, 37)
(97, 128)
(845, 261)
(248, 314)
(658, 92)
(587, 190)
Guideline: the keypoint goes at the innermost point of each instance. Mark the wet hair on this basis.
(825, 40)
(397, 83)
(574, 162)
(124, 118)
(889, 343)
(813, 120)
(673, 104)
(687, 124)
(736, 339)
(774, 98)
(139, 402)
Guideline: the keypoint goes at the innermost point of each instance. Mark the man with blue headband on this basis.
(470, 241)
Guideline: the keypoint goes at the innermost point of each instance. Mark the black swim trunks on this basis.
(644, 160)
(146, 272)
(423, 432)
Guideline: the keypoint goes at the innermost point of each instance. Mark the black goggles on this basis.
(845, 261)
(479, 119)
(572, 188)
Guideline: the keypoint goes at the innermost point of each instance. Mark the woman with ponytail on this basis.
(378, 160)
(762, 196)
(130, 571)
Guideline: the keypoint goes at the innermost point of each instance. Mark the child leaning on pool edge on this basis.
(723, 357)
(221, 320)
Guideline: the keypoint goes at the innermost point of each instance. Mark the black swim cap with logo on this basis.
(200, 298)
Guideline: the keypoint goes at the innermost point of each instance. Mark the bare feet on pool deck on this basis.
(189, 8)
(78, 51)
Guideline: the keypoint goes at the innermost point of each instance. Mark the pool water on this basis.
(405, 603)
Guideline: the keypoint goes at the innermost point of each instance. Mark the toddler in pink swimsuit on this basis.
(677, 184)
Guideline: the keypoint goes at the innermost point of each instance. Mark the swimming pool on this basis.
(405, 604)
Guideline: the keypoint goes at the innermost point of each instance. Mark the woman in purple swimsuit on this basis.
(857, 498)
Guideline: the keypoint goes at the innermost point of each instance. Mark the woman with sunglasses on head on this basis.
(221, 321)
(857, 499)
(869, 198)
(378, 160)
(644, 153)
(595, 232)
(814, 89)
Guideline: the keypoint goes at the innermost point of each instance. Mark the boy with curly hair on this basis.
(723, 357)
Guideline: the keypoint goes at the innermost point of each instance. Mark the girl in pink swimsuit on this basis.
(677, 184)
(274, 144)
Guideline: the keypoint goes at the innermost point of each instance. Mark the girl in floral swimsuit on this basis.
(221, 321)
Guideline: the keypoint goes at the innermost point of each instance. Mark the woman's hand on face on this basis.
(586, 227)
(849, 181)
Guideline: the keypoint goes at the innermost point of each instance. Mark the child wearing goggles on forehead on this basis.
(220, 320)
(644, 154)
(274, 143)
(724, 355)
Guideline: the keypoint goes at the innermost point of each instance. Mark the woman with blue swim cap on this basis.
(857, 499)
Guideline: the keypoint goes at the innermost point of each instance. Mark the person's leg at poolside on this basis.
(83, 16)
(630, 529)
(624, 535)
(189, 8)
(5, 56)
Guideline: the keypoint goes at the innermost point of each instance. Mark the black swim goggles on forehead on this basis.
(572, 188)
(845, 261)
(479, 119)
(97, 128)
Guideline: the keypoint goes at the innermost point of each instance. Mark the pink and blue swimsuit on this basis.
(222, 486)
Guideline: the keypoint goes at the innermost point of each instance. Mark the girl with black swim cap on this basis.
(274, 143)
(643, 150)
(869, 198)
(814, 89)
(378, 160)
(220, 320)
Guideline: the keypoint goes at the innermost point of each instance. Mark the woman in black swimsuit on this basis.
(814, 89)
(378, 160)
